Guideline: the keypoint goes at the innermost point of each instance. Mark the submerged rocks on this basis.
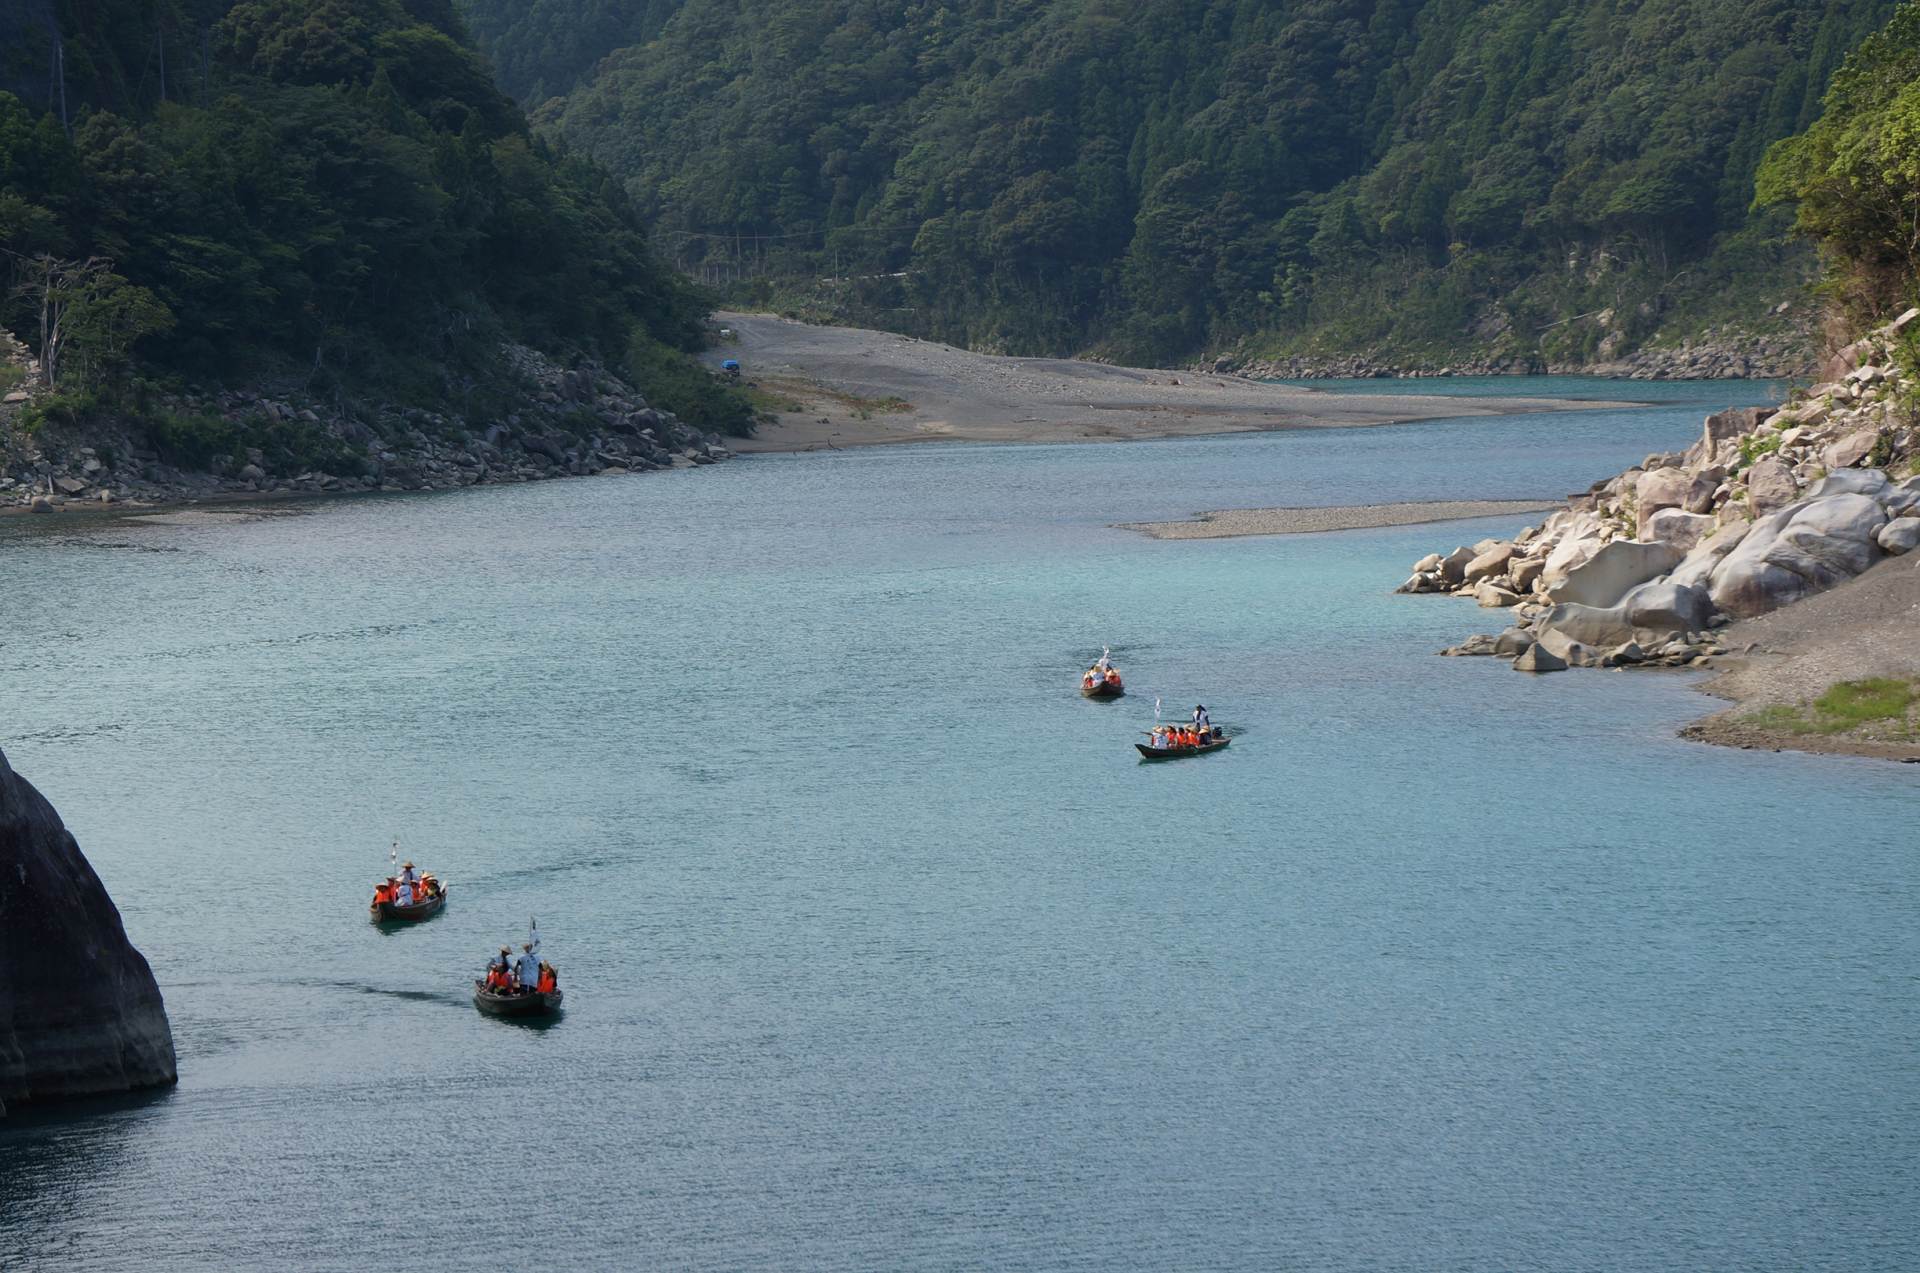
(80, 1013)
(1536, 659)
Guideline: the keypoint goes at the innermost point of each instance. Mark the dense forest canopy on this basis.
(1855, 174)
(332, 187)
(1161, 176)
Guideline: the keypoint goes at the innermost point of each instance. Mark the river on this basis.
(882, 949)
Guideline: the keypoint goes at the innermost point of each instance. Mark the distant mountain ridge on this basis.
(1419, 178)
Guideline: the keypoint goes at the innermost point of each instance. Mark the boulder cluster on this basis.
(564, 422)
(1769, 506)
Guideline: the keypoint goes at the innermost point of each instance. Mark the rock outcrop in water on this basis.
(1767, 508)
(79, 1011)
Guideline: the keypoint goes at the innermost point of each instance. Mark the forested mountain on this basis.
(1160, 178)
(328, 188)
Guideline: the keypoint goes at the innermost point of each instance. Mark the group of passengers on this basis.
(409, 888)
(1198, 733)
(510, 974)
(1102, 673)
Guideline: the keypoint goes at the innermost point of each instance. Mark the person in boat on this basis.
(1200, 721)
(549, 979)
(499, 981)
(404, 895)
(410, 876)
(501, 963)
(526, 968)
(383, 892)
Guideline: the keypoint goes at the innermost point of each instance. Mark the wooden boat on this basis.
(393, 912)
(1106, 689)
(1175, 753)
(535, 1004)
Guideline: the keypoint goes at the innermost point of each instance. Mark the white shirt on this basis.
(404, 896)
(409, 877)
(526, 969)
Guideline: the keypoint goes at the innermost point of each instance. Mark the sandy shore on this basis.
(845, 386)
(1230, 523)
(1862, 629)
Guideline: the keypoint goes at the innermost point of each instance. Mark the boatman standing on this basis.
(526, 968)
(409, 876)
(1200, 721)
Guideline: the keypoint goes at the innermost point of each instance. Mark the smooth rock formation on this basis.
(1708, 554)
(80, 1013)
(1488, 564)
(1852, 449)
(1850, 482)
(1679, 528)
(1535, 659)
(1899, 536)
(1770, 486)
(1657, 490)
(1606, 577)
(1512, 642)
(1800, 550)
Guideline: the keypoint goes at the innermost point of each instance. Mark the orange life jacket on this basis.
(380, 894)
(548, 982)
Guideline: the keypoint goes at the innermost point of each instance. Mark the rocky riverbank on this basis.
(80, 1013)
(242, 443)
(1769, 507)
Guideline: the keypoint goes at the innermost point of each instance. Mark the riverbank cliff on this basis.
(276, 439)
(80, 1013)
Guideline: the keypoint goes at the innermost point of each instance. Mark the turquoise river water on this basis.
(882, 948)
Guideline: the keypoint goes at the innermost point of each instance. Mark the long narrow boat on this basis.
(394, 912)
(534, 1004)
(1176, 753)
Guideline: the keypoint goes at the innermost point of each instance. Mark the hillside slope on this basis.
(1423, 179)
(321, 198)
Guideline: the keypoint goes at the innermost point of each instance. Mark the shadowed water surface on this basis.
(881, 947)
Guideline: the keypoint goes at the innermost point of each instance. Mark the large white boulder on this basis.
(1901, 535)
(1535, 659)
(1850, 482)
(1852, 449)
(1679, 528)
(1800, 550)
(1606, 576)
(1650, 614)
(1657, 490)
(1488, 564)
(1770, 485)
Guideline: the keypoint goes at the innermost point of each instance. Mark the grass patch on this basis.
(781, 394)
(1881, 705)
(772, 401)
(1851, 704)
(11, 376)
